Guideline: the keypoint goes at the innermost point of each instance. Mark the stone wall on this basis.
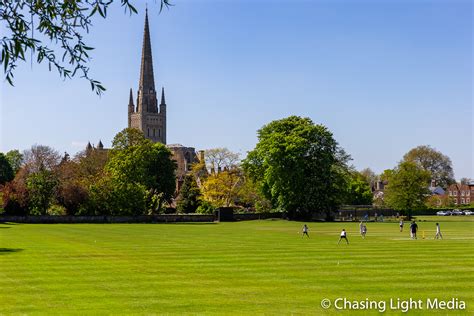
(256, 216)
(165, 218)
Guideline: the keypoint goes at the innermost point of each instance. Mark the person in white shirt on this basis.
(401, 225)
(343, 236)
(305, 231)
(438, 232)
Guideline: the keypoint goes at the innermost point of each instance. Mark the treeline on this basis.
(296, 167)
(135, 177)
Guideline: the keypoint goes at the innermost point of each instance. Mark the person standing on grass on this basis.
(305, 231)
(413, 230)
(438, 232)
(343, 236)
(364, 230)
(401, 225)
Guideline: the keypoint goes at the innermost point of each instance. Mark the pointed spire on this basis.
(100, 145)
(163, 102)
(89, 146)
(147, 81)
(130, 101)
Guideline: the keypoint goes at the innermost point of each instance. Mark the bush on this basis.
(112, 197)
(205, 208)
(57, 210)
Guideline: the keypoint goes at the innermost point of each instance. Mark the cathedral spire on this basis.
(130, 100)
(147, 81)
(162, 96)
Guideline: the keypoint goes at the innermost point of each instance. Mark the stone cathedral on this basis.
(146, 115)
(150, 117)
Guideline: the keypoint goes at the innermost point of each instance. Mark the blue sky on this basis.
(383, 76)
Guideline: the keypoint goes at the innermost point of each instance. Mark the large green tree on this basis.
(15, 158)
(6, 170)
(145, 163)
(299, 167)
(358, 191)
(432, 160)
(406, 190)
(41, 187)
(52, 32)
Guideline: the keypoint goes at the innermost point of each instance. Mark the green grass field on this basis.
(256, 267)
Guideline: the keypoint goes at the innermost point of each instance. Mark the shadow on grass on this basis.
(8, 223)
(4, 251)
(5, 227)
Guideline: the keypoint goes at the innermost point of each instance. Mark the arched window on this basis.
(148, 132)
(153, 132)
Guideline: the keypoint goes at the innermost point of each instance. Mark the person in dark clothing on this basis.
(305, 231)
(413, 230)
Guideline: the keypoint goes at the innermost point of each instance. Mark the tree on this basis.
(15, 158)
(299, 167)
(435, 162)
(189, 197)
(40, 158)
(128, 137)
(369, 176)
(440, 201)
(218, 159)
(223, 188)
(407, 190)
(148, 164)
(251, 198)
(41, 187)
(30, 25)
(358, 191)
(6, 171)
(91, 164)
(72, 191)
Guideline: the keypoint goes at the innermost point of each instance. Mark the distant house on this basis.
(461, 194)
(436, 190)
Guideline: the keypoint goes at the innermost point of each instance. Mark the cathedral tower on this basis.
(146, 115)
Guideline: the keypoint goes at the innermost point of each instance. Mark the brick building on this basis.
(461, 194)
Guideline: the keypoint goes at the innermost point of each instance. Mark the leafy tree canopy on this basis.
(128, 137)
(149, 164)
(15, 158)
(435, 162)
(53, 32)
(299, 166)
(223, 188)
(6, 170)
(358, 192)
(407, 188)
(41, 187)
